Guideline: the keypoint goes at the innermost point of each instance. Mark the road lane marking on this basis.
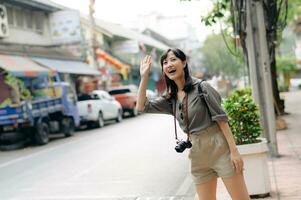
(49, 149)
(103, 198)
(87, 170)
(32, 155)
(80, 198)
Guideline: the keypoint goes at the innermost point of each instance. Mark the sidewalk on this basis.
(285, 171)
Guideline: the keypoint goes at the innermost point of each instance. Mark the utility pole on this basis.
(259, 63)
(92, 45)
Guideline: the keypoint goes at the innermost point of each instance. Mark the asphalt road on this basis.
(134, 159)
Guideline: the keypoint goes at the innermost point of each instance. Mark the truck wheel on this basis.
(41, 135)
(100, 122)
(9, 147)
(119, 116)
(11, 137)
(91, 125)
(68, 127)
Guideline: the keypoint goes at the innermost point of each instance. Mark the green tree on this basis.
(286, 66)
(218, 60)
(277, 14)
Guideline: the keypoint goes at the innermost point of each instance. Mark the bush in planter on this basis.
(244, 118)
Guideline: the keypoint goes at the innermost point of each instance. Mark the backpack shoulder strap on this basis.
(200, 89)
(201, 95)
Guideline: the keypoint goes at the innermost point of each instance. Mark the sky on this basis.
(126, 12)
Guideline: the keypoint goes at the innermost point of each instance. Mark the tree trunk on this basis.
(279, 103)
(270, 11)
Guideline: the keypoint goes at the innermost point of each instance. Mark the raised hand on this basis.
(145, 66)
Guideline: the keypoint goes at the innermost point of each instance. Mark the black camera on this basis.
(182, 145)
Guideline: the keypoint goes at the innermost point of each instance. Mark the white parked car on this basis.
(97, 107)
(151, 94)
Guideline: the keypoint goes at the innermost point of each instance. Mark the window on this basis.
(28, 19)
(84, 97)
(19, 18)
(119, 91)
(10, 15)
(70, 94)
(39, 22)
(96, 97)
(107, 96)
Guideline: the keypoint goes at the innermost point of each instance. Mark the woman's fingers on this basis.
(237, 162)
(238, 165)
(145, 65)
(145, 59)
(149, 59)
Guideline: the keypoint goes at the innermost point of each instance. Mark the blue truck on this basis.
(49, 108)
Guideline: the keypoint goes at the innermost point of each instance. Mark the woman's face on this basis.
(173, 67)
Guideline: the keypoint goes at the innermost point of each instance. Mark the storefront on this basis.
(80, 75)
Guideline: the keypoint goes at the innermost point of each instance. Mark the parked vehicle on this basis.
(97, 107)
(127, 98)
(295, 83)
(49, 108)
(151, 94)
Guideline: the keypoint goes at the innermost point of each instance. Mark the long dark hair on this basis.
(171, 87)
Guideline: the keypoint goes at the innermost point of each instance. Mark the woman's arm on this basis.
(235, 156)
(141, 94)
(145, 67)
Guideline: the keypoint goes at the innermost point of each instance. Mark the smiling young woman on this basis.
(213, 153)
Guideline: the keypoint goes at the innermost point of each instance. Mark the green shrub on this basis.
(17, 85)
(244, 117)
(6, 102)
(286, 64)
(242, 92)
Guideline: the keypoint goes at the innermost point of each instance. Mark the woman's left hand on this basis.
(237, 161)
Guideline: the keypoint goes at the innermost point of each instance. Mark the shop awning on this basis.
(122, 68)
(67, 66)
(21, 66)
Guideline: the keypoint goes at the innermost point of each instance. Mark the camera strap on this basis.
(186, 118)
(174, 117)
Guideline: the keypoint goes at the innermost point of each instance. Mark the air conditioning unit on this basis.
(3, 22)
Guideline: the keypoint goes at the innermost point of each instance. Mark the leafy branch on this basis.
(218, 12)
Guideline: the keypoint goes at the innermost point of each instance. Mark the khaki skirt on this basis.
(209, 155)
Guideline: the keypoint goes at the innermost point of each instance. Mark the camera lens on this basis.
(179, 149)
(188, 144)
(181, 146)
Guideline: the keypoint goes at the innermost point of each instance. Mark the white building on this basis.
(37, 30)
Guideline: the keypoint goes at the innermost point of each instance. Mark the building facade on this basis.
(40, 31)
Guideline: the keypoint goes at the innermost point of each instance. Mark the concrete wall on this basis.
(19, 36)
(27, 25)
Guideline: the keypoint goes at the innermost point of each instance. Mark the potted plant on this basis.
(244, 121)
